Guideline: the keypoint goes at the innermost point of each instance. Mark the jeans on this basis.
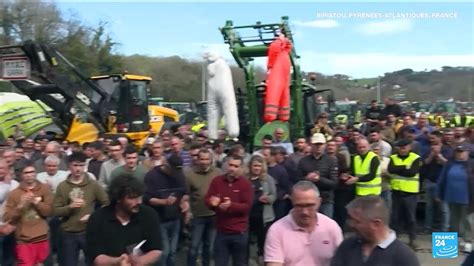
(54, 241)
(72, 243)
(258, 228)
(169, 240)
(404, 210)
(434, 208)
(327, 208)
(469, 261)
(227, 245)
(386, 195)
(460, 221)
(2, 238)
(7, 250)
(203, 233)
(342, 197)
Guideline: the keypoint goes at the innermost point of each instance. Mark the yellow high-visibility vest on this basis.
(361, 168)
(404, 183)
(439, 121)
(457, 121)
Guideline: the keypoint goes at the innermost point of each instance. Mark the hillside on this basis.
(178, 79)
(450, 82)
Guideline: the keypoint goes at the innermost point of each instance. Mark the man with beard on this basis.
(374, 243)
(303, 237)
(124, 232)
(300, 145)
(230, 197)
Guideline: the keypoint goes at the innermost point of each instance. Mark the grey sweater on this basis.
(268, 188)
(106, 171)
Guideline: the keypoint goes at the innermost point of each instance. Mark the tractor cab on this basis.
(127, 108)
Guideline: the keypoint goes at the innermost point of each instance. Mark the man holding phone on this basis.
(74, 201)
(167, 193)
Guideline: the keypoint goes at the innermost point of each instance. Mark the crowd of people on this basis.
(215, 199)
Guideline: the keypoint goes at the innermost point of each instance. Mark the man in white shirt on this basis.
(279, 135)
(385, 148)
(7, 184)
(52, 176)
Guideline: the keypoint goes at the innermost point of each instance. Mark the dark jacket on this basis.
(292, 170)
(282, 180)
(328, 172)
(161, 185)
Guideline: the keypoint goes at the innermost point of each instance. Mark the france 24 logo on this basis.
(445, 245)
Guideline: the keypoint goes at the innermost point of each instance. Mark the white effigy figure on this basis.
(220, 97)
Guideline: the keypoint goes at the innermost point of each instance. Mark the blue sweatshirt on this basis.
(453, 185)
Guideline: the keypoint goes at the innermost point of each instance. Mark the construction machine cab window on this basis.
(129, 101)
(138, 106)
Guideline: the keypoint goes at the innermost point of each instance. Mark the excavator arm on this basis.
(43, 73)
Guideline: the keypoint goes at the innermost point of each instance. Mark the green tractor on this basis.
(347, 113)
(250, 101)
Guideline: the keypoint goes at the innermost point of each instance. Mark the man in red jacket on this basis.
(230, 196)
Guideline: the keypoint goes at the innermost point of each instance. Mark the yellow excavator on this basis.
(83, 108)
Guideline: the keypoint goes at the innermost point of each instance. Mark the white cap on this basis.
(150, 140)
(318, 138)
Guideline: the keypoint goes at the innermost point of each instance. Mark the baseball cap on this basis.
(462, 147)
(174, 161)
(402, 142)
(318, 138)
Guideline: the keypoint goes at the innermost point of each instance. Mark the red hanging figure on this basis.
(277, 96)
